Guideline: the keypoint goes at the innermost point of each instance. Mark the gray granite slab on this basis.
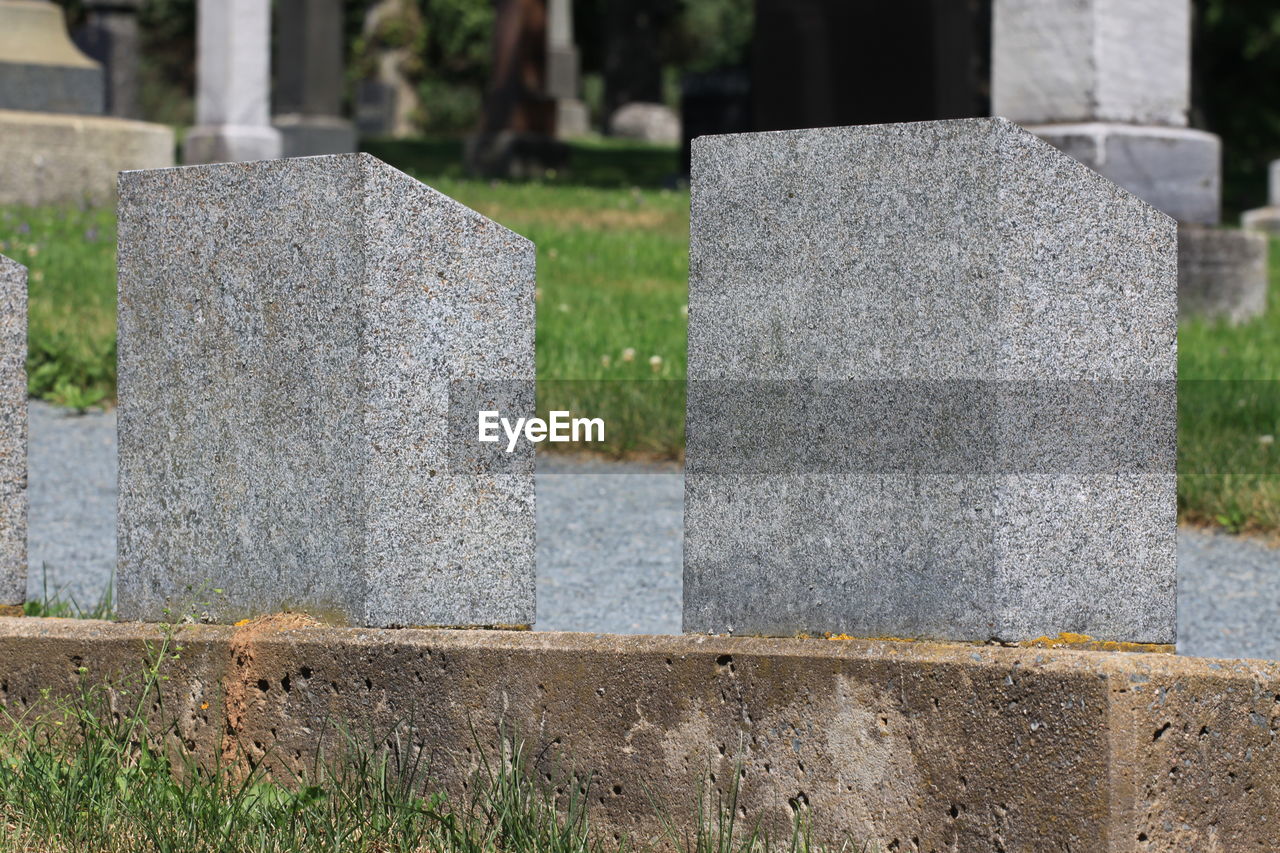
(13, 432)
(946, 352)
(290, 332)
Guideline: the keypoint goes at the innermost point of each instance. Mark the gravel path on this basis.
(71, 487)
(609, 545)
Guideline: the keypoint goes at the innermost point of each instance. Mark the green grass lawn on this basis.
(1229, 419)
(612, 291)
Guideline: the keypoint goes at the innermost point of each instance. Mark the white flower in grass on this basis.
(628, 354)
(655, 363)
(605, 360)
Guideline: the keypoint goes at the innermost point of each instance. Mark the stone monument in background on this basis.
(931, 389)
(563, 72)
(310, 79)
(1109, 82)
(56, 146)
(1267, 219)
(233, 84)
(110, 36)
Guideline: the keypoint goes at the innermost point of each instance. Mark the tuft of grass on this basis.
(96, 773)
(56, 604)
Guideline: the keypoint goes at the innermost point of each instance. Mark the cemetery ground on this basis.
(612, 278)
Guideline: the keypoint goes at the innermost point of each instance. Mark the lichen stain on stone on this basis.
(1068, 640)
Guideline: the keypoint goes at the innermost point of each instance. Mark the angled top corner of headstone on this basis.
(10, 267)
(382, 181)
(1041, 160)
(915, 152)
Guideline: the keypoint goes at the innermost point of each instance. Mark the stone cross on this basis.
(292, 333)
(1109, 82)
(309, 79)
(931, 389)
(13, 435)
(233, 82)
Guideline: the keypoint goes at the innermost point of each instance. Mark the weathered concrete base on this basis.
(1174, 169)
(911, 746)
(51, 159)
(1222, 273)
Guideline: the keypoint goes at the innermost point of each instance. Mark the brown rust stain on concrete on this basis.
(926, 745)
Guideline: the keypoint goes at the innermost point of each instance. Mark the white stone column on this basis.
(1109, 82)
(233, 84)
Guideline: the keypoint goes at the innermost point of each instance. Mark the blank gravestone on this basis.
(13, 434)
(931, 389)
(290, 334)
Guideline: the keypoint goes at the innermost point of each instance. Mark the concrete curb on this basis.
(916, 746)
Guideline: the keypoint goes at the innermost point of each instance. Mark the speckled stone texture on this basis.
(13, 432)
(289, 332)
(954, 255)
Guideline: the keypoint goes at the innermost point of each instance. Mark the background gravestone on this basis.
(309, 79)
(1110, 83)
(931, 389)
(13, 434)
(40, 69)
(233, 83)
(1267, 219)
(290, 331)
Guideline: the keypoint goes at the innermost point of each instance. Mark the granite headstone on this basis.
(290, 334)
(931, 389)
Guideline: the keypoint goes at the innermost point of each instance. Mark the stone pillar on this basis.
(931, 389)
(295, 337)
(563, 71)
(1109, 82)
(110, 35)
(1266, 219)
(233, 52)
(13, 436)
(40, 69)
(310, 80)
